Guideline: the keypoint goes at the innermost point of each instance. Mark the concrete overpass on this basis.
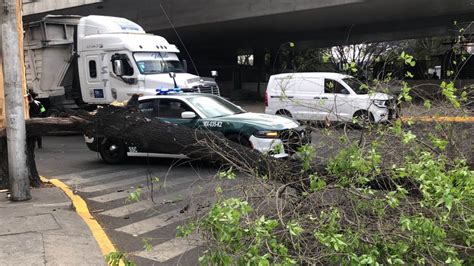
(213, 30)
(270, 22)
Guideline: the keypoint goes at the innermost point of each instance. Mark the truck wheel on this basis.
(242, 140)
(112, 151)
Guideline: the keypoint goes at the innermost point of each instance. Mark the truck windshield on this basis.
(356, 85)
(212, 106)
(158, 63)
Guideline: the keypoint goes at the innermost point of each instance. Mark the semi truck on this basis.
(79, 62)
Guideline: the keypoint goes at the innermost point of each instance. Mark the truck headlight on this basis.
(267, 134)
(380, 103)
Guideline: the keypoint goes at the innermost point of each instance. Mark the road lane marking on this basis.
(147, 204)
(84, 173)
(171, 249)
(128, 209)
(153, 223)
(81, 208)
(124, 194)
(115, 184)
(121, 182)
(82, 180)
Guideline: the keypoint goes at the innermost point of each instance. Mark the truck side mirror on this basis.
(214, 73)
(118, 68)
(185, 66)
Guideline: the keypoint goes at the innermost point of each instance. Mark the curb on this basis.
(81, 208)
(456, 119)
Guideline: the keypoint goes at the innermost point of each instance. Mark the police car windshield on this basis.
(212, 106)
(158, 63)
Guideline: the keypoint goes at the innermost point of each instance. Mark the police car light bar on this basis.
(166, 91)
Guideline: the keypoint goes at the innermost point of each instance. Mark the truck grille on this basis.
(212, 89)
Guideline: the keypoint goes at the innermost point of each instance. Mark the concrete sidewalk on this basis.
(45, 231)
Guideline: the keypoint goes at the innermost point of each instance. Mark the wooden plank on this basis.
(22, 58)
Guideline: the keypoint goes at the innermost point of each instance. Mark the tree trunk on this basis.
(30, 162)
(37, 127)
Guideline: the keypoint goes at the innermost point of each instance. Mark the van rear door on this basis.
(280, 95)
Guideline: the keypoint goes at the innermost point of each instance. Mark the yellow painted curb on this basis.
(80, 205)
(457, 119)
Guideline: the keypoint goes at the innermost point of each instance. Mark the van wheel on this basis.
(242, 140)
(363, 118)
(284, 113)
(112, 151)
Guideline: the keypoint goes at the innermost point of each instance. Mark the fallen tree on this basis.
(36, 127)
(128, 123)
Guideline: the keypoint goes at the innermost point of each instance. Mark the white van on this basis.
(326, 96)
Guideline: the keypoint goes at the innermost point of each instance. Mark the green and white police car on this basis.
(279, 136)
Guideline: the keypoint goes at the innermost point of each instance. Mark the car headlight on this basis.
(267, 134)
(380, 103)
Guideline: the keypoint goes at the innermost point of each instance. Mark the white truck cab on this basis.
(100, 59)
(323, 96)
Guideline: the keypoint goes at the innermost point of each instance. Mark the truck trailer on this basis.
(79, 62)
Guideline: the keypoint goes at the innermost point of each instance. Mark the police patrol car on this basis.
(276, 135)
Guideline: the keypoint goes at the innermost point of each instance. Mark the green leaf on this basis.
(427, 104)
(134, 196)
(294, 228)
(146, 245)
(228, 174)
(316, 183)
(326, 58)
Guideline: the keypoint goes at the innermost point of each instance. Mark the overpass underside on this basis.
(215, 30)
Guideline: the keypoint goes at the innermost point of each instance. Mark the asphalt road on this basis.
(185, 190)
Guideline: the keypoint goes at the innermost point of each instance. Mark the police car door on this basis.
(171, 110)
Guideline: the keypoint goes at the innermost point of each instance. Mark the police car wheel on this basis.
(112, 151)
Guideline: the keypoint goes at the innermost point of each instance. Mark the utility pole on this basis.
(12, 34)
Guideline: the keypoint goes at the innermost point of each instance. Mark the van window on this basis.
(92, 69)
(332, 86)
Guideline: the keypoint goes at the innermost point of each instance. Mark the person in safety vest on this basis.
(36, 110)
